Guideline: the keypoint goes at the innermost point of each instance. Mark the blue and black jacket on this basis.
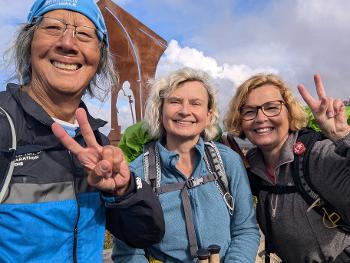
(50, 213)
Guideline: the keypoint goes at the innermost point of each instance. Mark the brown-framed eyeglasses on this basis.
(270, 109)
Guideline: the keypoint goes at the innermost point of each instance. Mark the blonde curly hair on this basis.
(162, 89)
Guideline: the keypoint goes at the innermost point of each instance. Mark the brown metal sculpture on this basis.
(137, 50)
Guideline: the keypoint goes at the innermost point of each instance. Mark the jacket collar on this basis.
(256, 159)
(34, 110)
(170, 158)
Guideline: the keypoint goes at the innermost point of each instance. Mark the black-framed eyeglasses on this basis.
(270, 109)
(56, 27)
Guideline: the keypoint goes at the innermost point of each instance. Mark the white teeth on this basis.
(65, 66)
(263, 130)
(184, 122)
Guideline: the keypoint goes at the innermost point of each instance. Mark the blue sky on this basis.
(233, 39)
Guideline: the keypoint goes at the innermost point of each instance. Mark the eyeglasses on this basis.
(270, 109)
(56, 27)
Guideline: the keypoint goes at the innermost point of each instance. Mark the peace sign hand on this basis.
(329, 113)
(106, 166)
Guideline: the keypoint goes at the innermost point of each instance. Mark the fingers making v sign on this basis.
(329, 113)
(106, 166)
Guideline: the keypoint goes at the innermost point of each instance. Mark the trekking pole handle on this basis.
(214, 253)
(203, 255)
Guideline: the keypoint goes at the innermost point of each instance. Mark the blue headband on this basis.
(88, 8)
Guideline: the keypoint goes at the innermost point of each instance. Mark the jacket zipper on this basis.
(75, 237)
(274, 207)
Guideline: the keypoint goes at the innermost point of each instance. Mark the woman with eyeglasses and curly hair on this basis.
(265, 111)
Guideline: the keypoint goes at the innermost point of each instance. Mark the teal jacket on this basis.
(237, 235)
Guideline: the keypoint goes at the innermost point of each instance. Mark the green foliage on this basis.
(312, 122)
(133, 139)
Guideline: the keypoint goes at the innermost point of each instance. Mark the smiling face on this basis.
(185, 112)
(63, 64)
(268, 133)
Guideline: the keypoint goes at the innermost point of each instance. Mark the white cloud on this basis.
(322, 11)
(226, 76)
(176, 56)
(294, 38)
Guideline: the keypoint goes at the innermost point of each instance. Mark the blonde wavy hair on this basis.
(163, 87)
(297, 117)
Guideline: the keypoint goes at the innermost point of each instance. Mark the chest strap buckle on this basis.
(193, 182)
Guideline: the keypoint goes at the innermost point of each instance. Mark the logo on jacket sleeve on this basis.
(138, 183)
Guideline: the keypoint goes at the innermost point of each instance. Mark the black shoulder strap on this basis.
(7, 155)
(301, 177)
(151, 165)
(300, 173)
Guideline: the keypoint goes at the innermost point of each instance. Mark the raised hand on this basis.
(329, 113)
(105, 165)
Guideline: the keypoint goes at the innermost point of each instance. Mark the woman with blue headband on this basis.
(66, 183)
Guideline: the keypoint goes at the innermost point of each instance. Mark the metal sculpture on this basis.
(137, 50)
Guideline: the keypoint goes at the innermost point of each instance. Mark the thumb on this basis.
(341, 115)
(103, 169)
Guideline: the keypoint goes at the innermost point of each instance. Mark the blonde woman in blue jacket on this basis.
(182, 114)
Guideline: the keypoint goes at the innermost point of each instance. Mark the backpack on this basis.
(213, 161)
(7, 151)
(301, 177)
(303, 184)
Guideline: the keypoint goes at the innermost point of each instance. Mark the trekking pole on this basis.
(214, 253)
(203, 255)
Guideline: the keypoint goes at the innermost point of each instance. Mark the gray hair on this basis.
(99, 86)
(162, 89)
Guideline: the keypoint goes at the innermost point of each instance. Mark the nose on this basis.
(260, 116)
(67, 42)
(184, 108)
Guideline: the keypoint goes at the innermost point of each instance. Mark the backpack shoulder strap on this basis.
(230, 141)
(7, 156)
(215, 165)
(151, 164)
(152, 175)
(305, 141)
(301, 177)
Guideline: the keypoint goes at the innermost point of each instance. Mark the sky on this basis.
(231, 40)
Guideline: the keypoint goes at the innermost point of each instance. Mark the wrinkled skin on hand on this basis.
(106, 167)
(329, 113)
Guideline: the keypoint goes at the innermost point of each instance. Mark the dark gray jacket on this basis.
(299, 235)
